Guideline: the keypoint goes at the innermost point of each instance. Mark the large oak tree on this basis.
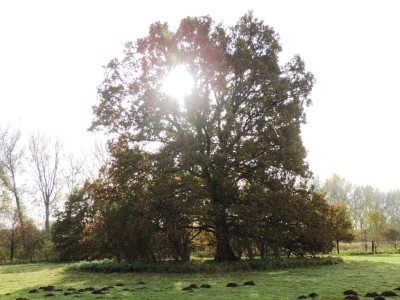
(236, 139)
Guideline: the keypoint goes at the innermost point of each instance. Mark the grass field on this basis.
(361, 273)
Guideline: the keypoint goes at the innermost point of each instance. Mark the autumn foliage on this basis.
(223, 173)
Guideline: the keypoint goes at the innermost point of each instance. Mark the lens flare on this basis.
(178, 84)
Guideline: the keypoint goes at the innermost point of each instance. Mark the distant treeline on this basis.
(375, 215)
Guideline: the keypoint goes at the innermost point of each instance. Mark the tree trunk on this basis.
(224, 249)
(47, 222)
(373, 246)
(12, 249)
(250, 251)
(19, 210)
(262, 250)
(185, 254)
(337, 247)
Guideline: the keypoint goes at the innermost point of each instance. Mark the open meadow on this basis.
(362, 273)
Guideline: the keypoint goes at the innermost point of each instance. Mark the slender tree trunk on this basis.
(337, 247)
(12, 247)
(262, 250)
(373, 247)
(19, 209)
(366, 246)
(47, 221)
(250, 252)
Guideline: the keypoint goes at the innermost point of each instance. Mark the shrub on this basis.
(208, 266)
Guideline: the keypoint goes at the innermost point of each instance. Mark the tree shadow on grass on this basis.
(29, 267)
(72, 283)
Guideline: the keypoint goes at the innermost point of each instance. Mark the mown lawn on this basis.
(364, 274)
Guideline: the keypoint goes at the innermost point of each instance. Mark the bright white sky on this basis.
(51, 53)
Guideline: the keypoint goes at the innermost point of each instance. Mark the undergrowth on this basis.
(209, 266)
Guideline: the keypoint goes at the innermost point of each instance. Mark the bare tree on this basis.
(75, 173)
(94, 161)
(11, 159)
(46, 158)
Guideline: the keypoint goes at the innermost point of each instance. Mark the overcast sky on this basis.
(51, 54)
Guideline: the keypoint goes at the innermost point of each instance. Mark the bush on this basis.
(208, 266)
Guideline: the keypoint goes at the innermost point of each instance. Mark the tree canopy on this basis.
(232, 148)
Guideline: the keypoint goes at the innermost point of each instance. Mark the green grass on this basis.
(361, 273)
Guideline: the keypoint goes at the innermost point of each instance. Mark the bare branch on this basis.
(46, 157)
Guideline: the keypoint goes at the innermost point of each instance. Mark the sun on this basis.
(178, 83)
